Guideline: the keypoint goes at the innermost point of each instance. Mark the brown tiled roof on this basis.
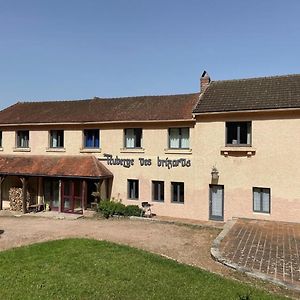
(145, 108)
(275, 92)
(53, 166)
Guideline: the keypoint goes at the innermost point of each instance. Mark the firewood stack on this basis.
(16, 199)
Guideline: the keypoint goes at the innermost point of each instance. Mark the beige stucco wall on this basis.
(275, 138)
(274, 164)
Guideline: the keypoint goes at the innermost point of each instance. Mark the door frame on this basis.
(211, 216)
(72, 197)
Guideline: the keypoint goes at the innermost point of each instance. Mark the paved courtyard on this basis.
(272, 248)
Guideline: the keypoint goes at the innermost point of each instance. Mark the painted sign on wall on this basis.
(147, 162)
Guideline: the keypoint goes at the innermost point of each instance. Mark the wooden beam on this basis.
(24, 192)
(1, 200)
(84, 194)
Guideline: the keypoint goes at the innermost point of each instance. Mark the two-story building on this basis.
(230, 150)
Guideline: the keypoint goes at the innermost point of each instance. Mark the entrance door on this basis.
(216, 202)
(71, 196)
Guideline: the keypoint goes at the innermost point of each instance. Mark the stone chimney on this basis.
(204, 81)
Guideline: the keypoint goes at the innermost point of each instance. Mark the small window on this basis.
(133, 189)
(158, 191)
(238, 133)
(177, 192)
(179, 138)
(56, 138)
(133, 137)
(0, 139)
(23, 139)
(261, 200)
(91, 138)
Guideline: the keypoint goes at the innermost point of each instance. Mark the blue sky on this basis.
(55, 50)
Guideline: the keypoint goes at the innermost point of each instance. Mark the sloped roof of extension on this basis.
(53, 166)
(144, 108)
(277, 92)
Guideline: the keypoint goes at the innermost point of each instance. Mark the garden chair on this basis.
(146, 209)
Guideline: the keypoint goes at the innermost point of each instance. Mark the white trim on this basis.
(246, 111)
(100, 123)
(21, 149)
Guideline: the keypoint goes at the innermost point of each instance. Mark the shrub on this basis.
(109, 208)
(119, 209)
(132, 210)
(106, 207)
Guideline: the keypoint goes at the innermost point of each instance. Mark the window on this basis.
(56, 138)
(179, 138)
(133, 137)
(0, 139)
(91, 138)
(23, 139)
(158, 191)
(133, 188)
(177, 192)
(261, 200)
(238, 133)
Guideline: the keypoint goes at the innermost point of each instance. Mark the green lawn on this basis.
(89, 269)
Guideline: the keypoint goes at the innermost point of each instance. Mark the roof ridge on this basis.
(254, 78)
(100, 98)
(8, 107)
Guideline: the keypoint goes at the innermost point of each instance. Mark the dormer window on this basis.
(238, 133)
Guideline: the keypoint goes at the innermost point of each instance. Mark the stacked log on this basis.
(16, 199)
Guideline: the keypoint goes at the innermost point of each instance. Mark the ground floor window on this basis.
(133, 189)
(158, 191)
(177, 192)
(261, 200)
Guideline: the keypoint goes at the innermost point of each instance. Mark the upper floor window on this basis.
(91, 138)
(238, 133)
(261, 200)
(0, 139)
(22, 139)
(133, 137)
(179, 138)
(56, 138)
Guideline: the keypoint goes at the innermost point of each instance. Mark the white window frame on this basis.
(261, 192)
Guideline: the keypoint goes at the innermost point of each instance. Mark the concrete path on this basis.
(270, 250)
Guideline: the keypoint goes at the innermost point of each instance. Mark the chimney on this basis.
(204, 81)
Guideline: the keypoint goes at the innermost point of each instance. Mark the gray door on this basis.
(216, 202)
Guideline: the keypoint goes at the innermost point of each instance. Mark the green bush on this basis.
(109, 208)
(132, 210)
(119, 209)
(106, 208)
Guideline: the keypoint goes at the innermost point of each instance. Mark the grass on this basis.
(89, 269)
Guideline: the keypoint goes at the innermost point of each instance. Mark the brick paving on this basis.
(272, 248)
